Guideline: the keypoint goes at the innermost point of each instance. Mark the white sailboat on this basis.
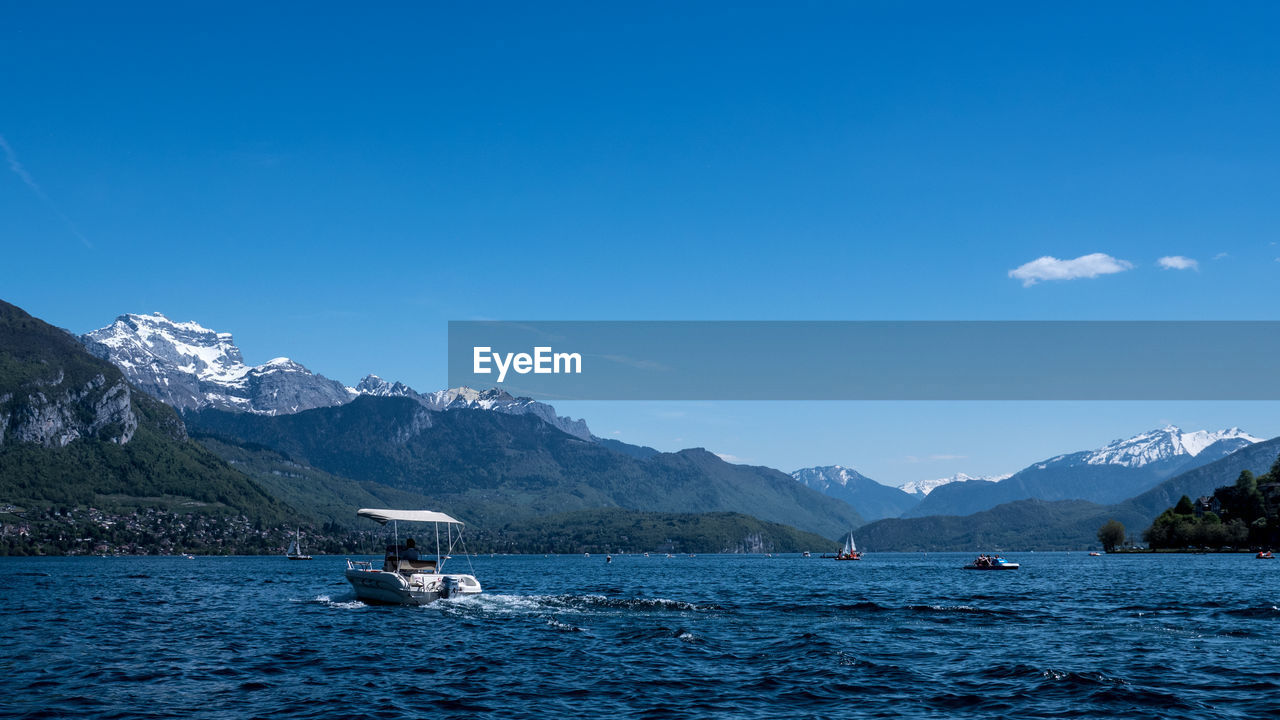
(295, 548)
(850, 551)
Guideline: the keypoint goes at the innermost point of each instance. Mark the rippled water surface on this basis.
(712, 636)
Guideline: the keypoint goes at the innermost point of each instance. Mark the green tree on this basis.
(1184, 507)
(1111, 534)
(1247, 484)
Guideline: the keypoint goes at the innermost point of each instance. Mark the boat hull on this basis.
(1005, 566)
(378, 587)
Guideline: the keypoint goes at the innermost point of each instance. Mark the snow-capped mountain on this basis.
(826, 477)
(1163, 444)
(377, 387)
(871, 499)
(469, 399)
(190, 366)
(1115, 472)
(924, 487)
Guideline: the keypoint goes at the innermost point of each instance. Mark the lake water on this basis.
(895, 635)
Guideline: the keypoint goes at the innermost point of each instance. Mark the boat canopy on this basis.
(385, 516)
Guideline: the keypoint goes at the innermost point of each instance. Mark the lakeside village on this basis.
(157, 531)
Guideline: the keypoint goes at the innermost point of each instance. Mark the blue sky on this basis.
(334, 185)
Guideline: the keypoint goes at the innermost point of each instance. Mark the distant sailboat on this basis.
(850, 551)
(295, 548)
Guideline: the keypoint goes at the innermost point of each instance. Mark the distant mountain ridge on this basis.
(1064, 524)
(871, 499)
(924, 487)
(466, 398)
(1120, 470)
(494, 467)
(1161, 445)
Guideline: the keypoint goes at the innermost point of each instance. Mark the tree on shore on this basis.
(1111, 534)
(1242, 514)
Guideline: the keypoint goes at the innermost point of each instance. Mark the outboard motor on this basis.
(449, 586)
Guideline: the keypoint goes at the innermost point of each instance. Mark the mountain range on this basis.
(1121, 469)
(1107, 475)
(191, 367)
(76, 435)
(277, 439)
(1033, 524)
(494, 467)
(433, 443)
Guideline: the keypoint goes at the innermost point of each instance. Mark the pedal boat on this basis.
(995, 563)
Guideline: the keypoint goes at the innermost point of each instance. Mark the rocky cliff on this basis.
(52, 393)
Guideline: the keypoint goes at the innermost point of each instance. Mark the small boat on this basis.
(850, 551)
(608, 559)
(408, 577)
(991, 562)
(295, 548)
(1265, 555)
(805, 554)
(1095, 554)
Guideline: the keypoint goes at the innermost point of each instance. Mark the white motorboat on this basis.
(409, 576)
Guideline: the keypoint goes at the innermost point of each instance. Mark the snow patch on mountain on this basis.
(141, 340)
(924, 487)
(826, 477)
(1163, 444)
(465, 398)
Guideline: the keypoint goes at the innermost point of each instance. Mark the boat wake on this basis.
(561, 626)
(574, 604)
(345, 602)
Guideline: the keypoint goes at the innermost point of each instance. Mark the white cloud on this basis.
(1051, 268)
(730, 458)
(1221, 255)
(934, 458)
(1177, 262)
